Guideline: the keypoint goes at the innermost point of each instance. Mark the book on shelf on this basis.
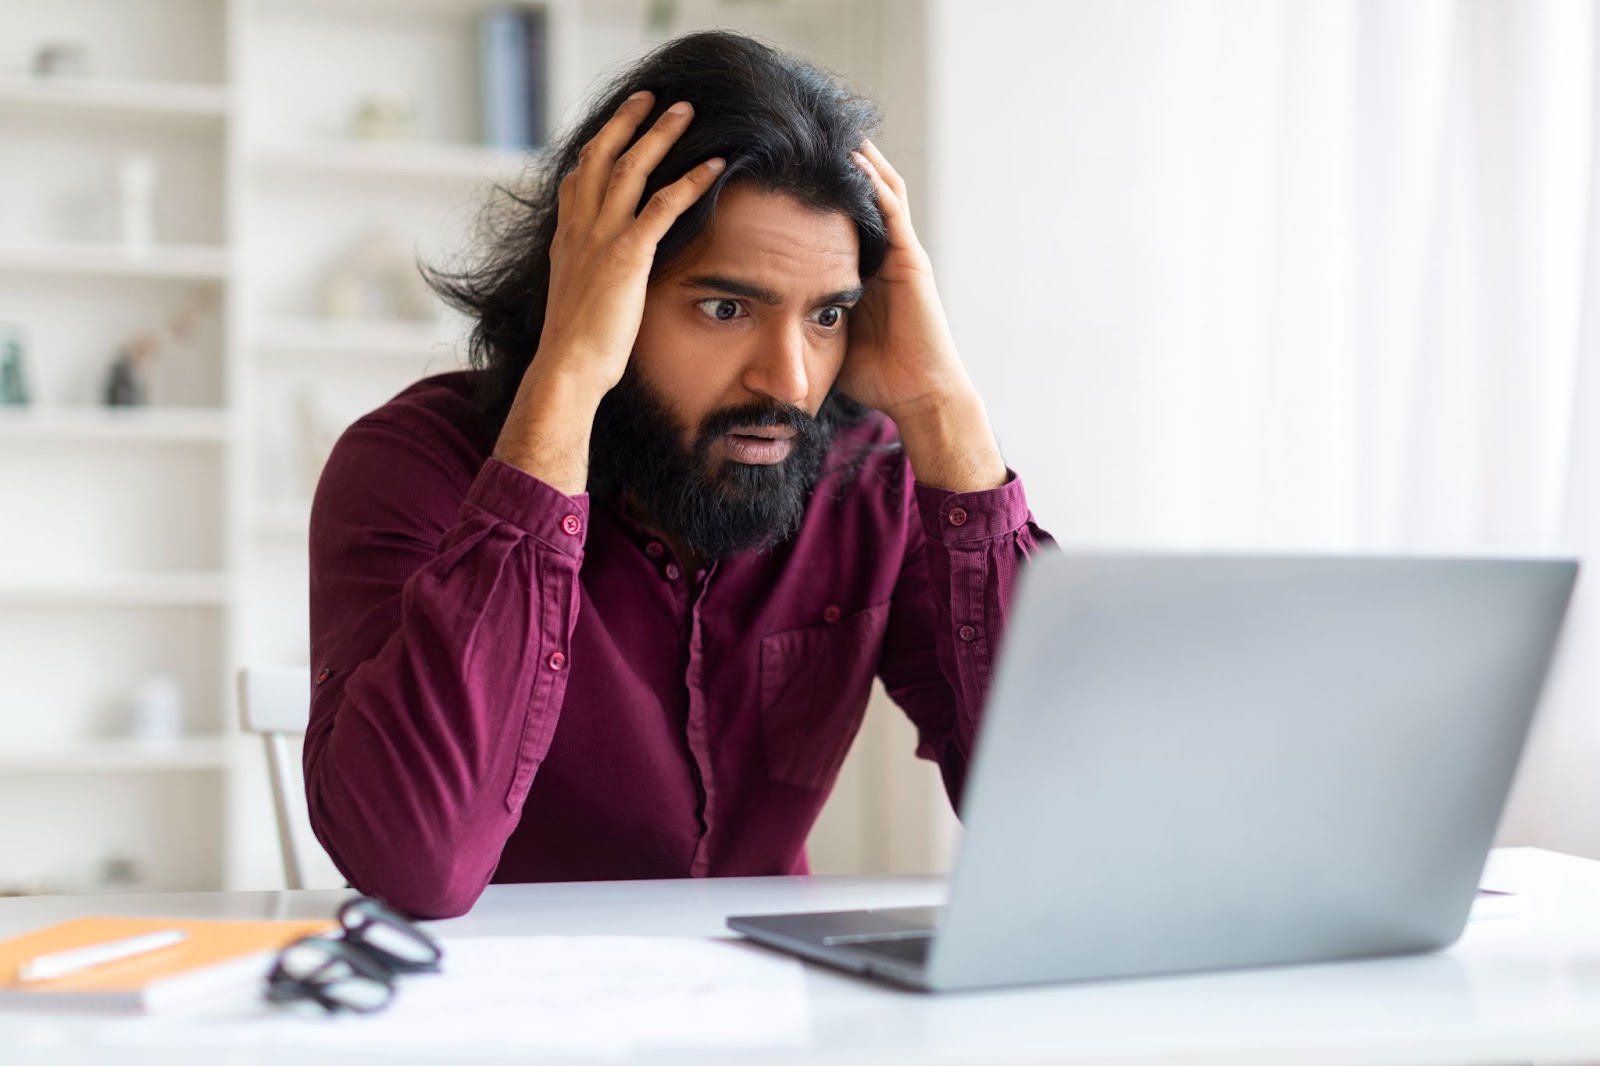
(214, 958)
(514, 64)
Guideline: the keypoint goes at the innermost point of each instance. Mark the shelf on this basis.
(180, 589)
(164, 99)
(173, 261)
(333, 338)
(176, 425)
(394, 159)
(429, 9)
(283, 520)
(125, 755)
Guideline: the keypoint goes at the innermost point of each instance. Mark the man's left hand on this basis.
(901, 358)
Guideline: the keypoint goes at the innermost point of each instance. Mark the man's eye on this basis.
(837, 314)
(722, 309)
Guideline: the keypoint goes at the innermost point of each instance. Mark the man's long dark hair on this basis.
(784, 126)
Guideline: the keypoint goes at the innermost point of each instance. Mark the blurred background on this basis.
(1321, 274)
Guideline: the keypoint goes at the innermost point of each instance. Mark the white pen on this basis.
(62, 963)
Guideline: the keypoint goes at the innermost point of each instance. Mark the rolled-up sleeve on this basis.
(965, 552)
(443, 599)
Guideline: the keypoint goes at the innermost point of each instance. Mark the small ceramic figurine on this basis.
(13, 378)
(376, 278)
(61, 59)
(126, 384)
(385, 116)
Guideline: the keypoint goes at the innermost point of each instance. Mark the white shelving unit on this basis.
(118, 756)
(172, 540)
(121, 425)
(136, 98)
(171, 262)
(324, 339)
(124, 590)
(398, 162)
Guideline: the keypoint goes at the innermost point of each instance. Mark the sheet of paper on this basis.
(585, 995)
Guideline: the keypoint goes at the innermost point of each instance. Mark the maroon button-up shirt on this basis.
(512, 687)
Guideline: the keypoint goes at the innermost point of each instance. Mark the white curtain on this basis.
(1314, 274)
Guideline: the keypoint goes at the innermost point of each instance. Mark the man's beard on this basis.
(716, 508)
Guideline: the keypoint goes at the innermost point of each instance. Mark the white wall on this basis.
(1238, 273)
(1053, 215)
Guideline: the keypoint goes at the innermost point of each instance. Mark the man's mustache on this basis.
(769, 413)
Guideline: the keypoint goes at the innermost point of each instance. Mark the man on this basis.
(609, 605)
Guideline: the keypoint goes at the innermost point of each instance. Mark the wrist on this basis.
(557, 376)
(547, 430)
(951, 445)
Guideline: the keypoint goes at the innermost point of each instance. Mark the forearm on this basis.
(548, 428)
(966, 552)
(951, 445)
(439, 701)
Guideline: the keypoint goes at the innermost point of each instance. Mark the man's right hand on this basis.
(602, 253)
(600, 264)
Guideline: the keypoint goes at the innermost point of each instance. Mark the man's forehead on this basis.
(775, 242)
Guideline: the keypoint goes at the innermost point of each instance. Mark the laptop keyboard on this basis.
(912, 949)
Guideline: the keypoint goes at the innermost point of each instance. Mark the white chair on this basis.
(275, 703)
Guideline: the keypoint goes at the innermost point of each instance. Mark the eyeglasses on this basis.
(356, 968)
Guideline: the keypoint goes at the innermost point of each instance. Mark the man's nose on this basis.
(778, 368)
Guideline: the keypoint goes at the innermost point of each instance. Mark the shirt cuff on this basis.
(538, 508)
(971, 517)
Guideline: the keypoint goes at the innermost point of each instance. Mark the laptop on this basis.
(1204, 762)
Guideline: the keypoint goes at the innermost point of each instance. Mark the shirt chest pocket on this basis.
(815, 683)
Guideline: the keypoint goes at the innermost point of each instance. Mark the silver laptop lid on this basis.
(1195, 762)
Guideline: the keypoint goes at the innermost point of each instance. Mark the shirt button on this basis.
(571, 526)
(323, 675)
(673, 572)
(831, 614)
(969, 634)
(654, 550)
(957, 516)
(556, 660)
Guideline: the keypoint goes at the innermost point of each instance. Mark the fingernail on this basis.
(640, 95)
(680, 108)
(716, 165)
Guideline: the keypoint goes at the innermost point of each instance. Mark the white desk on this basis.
(1517, 989)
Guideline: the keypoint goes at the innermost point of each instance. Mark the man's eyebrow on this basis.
(735, 287)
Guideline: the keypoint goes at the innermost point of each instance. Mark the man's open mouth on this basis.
(762, 432)
(759, 445)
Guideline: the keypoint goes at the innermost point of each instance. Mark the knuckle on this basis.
(624, 167)
(621, 253)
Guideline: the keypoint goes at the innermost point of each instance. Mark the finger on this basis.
(885, 170)
(597, 156)
(565, 192)
(896, 217)
(889, 201)
(663, 209)
(633, 168)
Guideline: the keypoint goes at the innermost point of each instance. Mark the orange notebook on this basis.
(216, 956)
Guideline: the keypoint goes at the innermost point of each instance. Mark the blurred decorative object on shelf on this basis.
(126, 381)
(514, 63)
(128, 378)
(660, 17)
(61, 59)
(29, 888)
(156, 712)
(376, 278)
(120, 873)
(385, 116)
(136, 181)
(13, 375)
